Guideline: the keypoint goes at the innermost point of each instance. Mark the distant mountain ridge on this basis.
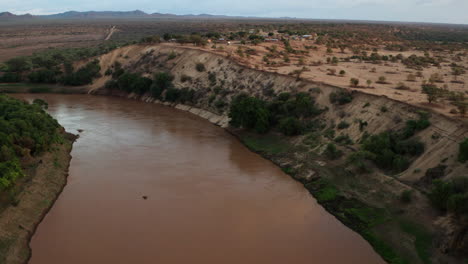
(110, 14)
(8, 15)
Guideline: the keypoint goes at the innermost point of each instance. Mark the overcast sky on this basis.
(445, 11)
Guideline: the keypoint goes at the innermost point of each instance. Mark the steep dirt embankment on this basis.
(367, 202)
(46, 178)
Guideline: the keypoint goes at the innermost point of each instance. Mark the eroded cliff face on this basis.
(223, 79)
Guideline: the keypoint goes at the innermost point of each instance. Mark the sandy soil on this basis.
(393, 72)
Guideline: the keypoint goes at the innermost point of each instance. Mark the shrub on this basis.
(83, 75)
(212, 78)
(406, 196)
(463, 150)
(126, 80)
(141, 85)
(354, 82)
(343, 140)
(390, 150)
(185, 78)
(341, 97)
(250, 113)
(440, 194)
(24, 128)
(290, 126)
(111, 84)
(11, 77)
(331, 152)
(43, 104)
(200, 67)
(358, 160)
(172, 94)
(343, 125)
(161, 82)
(220, 104)
(43, 76)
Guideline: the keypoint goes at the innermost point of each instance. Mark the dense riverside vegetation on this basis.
(25, 130)
(54, 66)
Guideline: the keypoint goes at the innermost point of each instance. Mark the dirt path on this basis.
(111, 32)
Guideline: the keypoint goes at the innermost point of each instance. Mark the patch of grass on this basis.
(326, 193)
(269, 144)
(422, 239)
(312, 139)
(288, 170)
(368, 215)
(383, 249)
(5, 244)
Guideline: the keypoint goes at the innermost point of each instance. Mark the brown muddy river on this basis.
(209, 199)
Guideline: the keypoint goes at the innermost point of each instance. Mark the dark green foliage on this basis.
(250, 113)
(180, 95)
(126, 80)
(185, 78)
(24, 128)
(212, 78)
(434, 173)
(343, 125)
(187, 95)
(463, 150)
(390, 152)
(141, 85)
(422, 239)
(18, 64)
(406, 196)
(11, 77)
(290, 126)
(300, 106)
(220, 104)
(43, 104)
(341, 97)
(344, 140)
(173, 94)
(43, 76)
(359, 159)
(450, 195)
(410, 147)
(200, 67)
(413, 126)
(83, 75)
(161, 82)
(111, 84)
(332, 152)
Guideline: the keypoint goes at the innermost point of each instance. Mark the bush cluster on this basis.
(25, 129)
(451, 195)
(286, 112)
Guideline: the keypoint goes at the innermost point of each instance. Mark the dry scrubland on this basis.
(319, 70)
(368, 151)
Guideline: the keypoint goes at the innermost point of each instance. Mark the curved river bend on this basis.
(209, 199)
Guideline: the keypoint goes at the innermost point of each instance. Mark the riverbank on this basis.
(46, 176)
(368, 203)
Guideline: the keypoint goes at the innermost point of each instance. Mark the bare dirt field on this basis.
(314, 66)
(20, 40)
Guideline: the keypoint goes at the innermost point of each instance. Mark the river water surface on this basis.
(209, 199)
